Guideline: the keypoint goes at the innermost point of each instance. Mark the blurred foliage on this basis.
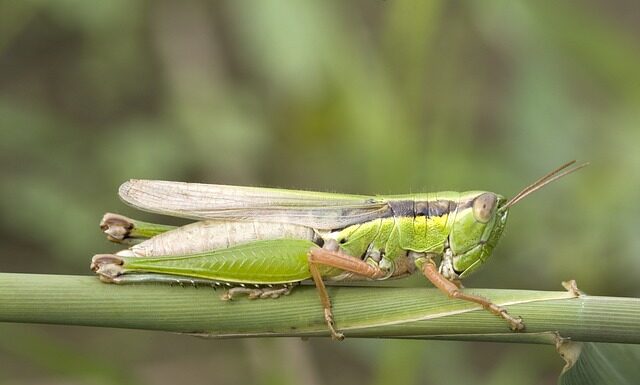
(364, 96)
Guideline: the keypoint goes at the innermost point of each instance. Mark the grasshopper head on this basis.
(479, 223)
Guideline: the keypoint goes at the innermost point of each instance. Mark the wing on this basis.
(219, 202)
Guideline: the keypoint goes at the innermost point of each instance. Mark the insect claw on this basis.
(328, 317)
(515, 323)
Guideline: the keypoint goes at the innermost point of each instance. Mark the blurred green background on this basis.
(363, 97)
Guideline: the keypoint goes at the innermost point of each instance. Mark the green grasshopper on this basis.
(261, 242)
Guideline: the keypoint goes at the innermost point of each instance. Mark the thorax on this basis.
(419, 225)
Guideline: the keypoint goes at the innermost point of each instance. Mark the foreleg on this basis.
(430, 270)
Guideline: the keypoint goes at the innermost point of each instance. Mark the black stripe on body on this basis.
(403, 208)
(411, 208)
(437, 208)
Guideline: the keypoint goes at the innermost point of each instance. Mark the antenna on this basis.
(558, 173)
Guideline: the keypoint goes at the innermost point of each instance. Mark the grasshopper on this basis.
(261, 242)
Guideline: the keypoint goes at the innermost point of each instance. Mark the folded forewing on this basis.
(208, 201)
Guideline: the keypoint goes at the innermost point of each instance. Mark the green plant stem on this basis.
(420, 313)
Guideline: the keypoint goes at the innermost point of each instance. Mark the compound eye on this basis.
(484, 206)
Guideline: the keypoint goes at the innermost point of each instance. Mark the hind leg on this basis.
(324, 257)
